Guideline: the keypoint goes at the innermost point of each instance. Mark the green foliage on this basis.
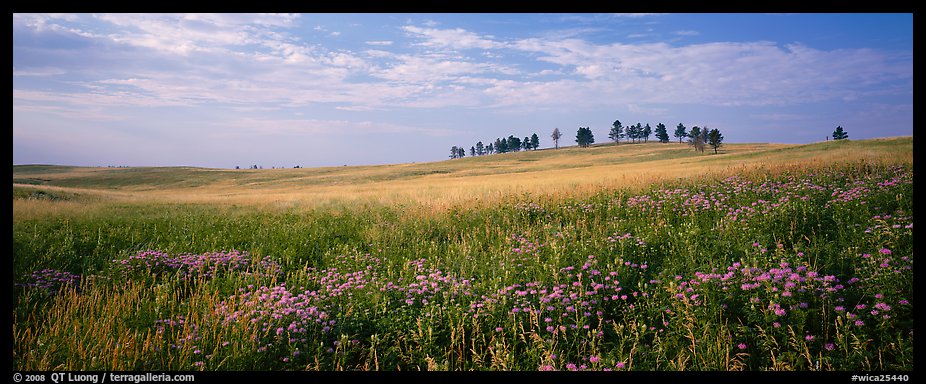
(840, 134)
(584, 137)
(715, 139)
(661, 133)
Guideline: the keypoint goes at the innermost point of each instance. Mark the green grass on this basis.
(448, 290)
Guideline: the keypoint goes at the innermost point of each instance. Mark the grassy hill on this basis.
(645, 257)
(571, 171)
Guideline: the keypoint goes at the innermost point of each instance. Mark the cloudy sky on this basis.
(226, 90)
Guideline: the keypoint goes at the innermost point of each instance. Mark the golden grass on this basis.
(572, 172)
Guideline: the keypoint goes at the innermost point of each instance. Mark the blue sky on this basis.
(279, 90)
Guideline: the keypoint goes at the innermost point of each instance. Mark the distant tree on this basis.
(631, 132)
(647, 131)
(584, 137)
(661, 133)
(535, 141)
(472, 151)
(840, 134)
(490, 149)
(454, 152)
(501, 145)
(695, 139)
(635, 132)
(480, 149)
(514, 143)
(461, 152)
(680, 132)
(617, 131)
(237, 167)
(556, 135)
(715, 139)
(526, 143)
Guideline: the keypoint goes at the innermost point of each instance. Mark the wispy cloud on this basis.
(456, 38)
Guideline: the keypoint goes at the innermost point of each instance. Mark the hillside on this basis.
(569, 170)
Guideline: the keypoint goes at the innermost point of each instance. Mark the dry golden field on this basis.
(434, 186)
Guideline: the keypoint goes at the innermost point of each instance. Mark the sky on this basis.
(281, 90)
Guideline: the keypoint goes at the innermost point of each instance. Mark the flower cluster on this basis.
(190, 266)
(50, 280)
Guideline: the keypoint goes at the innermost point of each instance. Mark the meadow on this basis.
(645, 257)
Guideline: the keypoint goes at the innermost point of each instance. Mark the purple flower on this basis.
(741, 346)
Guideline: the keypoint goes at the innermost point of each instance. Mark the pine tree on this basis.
(680, 132)
(617, 131)
(840, 134)
(584, 137)
(661, 133)
(715, 139)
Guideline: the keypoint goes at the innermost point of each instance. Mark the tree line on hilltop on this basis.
(697, 137)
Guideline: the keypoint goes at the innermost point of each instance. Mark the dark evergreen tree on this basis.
(715, 139)
(840, 134)
(661, 133)
(680, 132)
(535, 141)
(514, 144)
(584, 137)
(617, 131)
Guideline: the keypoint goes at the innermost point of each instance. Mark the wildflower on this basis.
(741, 346)
(829, 346)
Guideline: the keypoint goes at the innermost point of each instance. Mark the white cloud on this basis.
(379, 42)
(457, 38)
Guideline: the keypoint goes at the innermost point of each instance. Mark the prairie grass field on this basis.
(634, 257)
